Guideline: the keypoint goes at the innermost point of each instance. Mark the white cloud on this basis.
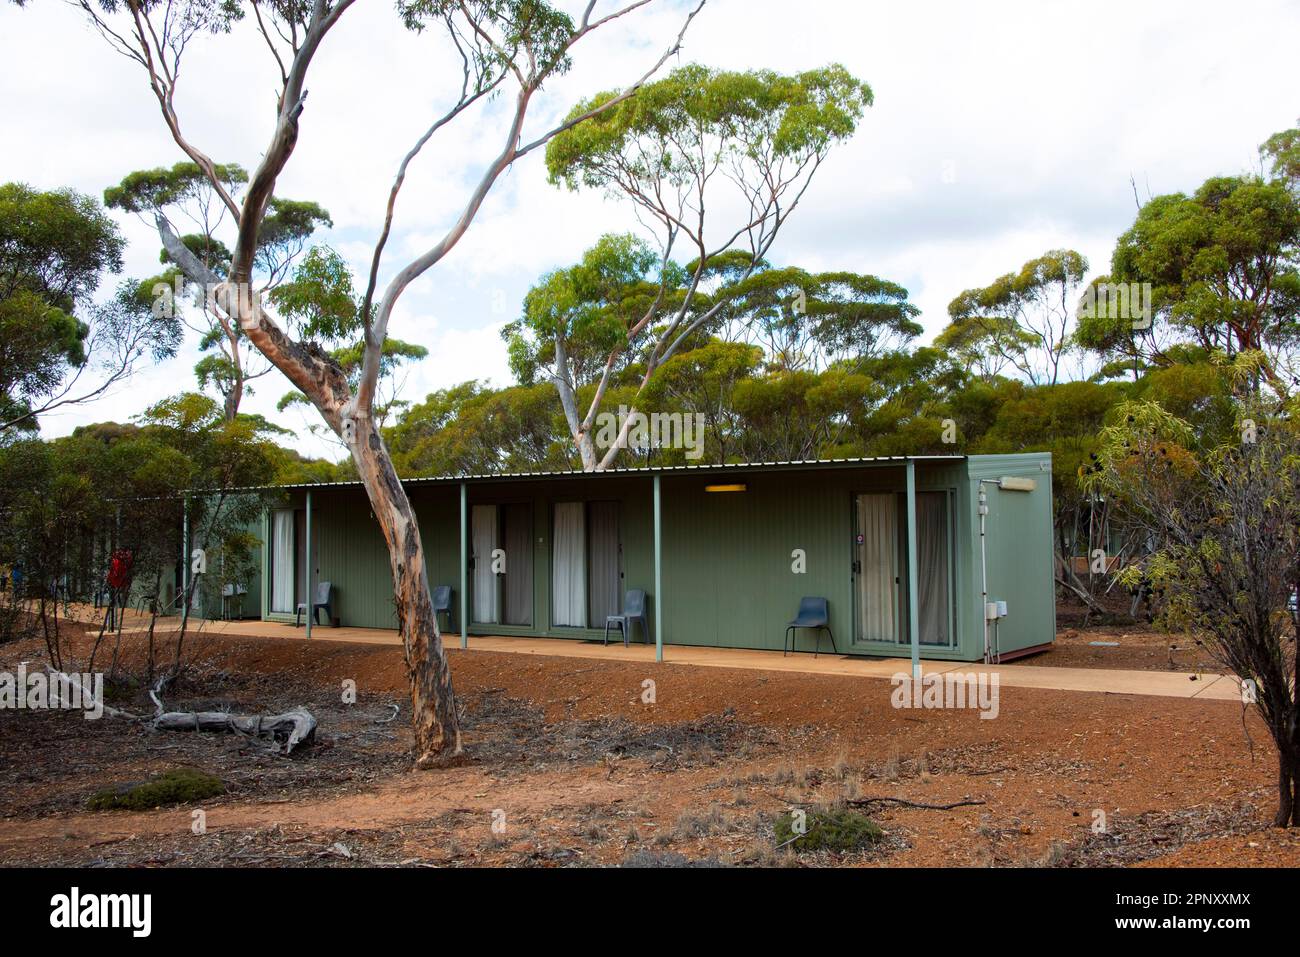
(998, 132)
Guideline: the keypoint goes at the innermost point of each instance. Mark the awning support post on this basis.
(464, 565)
(311, 597)
(659, 571)
(913, 609)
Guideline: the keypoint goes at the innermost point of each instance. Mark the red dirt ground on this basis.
(581, 771)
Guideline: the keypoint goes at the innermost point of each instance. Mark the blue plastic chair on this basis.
(442, 602)
(633, 610)
(813, 613)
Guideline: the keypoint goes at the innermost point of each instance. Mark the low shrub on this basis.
(177, 786)
(839, 829)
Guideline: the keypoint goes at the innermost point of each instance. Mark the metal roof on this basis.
(636, 470)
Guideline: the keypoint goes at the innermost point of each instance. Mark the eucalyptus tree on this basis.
(1022, 320)
(502, 50)
(182, 198)
(578, 331)
(1281, 153)
(697, 142)
(471, 429)
(812, 321)
(1223, 269)
(58, 347)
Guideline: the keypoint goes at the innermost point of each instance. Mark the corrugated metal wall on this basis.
(1021, 564)
(727, 561)
(729, 556)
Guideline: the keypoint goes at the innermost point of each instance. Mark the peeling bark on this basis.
(433, 705)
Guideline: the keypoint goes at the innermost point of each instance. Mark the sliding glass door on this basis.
(880, 568)
(934, 568)
(569, 566)
(483, 535)
(604, 563)
(586, 564)
(877, 567)
(283, 552)
(517, 542)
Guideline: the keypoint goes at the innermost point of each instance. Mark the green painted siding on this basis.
(728, 578)
(727, 557)
(1018, 543)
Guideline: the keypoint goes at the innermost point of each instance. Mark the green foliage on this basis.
(471, 429)
(1222, 519)
(55, 245)
(530, 35)
(587, 309)
(178, 786)
(742, 114)
(154, 190)
(1224, 269)
(38, 343)
(1282, 152)
(320, 300)
(1065, 420)
(809, 319)
(834, 829)
(1022, 320)
(54, 248)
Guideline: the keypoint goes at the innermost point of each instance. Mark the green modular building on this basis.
(724, 553)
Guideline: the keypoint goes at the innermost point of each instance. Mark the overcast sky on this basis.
(1000, 130)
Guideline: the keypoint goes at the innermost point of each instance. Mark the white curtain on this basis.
(484, 535)
(568, 574)
(878, 555)
(932, 568)
(282, 552)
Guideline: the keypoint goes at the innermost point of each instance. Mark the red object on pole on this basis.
(119, 569)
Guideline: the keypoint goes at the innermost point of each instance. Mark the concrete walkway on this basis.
(1167, 684)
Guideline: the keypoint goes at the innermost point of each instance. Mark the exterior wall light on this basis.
(1011, 484)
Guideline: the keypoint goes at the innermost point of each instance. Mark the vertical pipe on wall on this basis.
(464, 565)
(913, 609)
(984, 573)
(311, 598)
(659, 571)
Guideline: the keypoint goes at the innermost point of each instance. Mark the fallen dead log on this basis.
(863, 802)
(287, 730)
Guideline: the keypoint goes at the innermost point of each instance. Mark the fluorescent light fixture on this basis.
(1013, 484)
(738, 487)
